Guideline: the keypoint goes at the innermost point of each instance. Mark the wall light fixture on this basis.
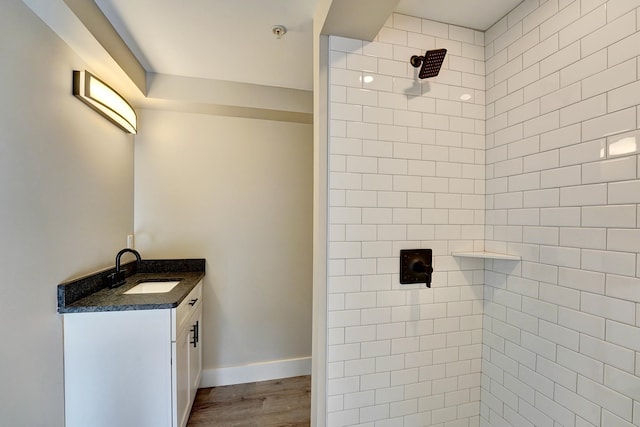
(106, 101)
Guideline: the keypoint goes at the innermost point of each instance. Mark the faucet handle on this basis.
(116, 279)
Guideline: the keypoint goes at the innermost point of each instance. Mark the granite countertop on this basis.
(91, 293)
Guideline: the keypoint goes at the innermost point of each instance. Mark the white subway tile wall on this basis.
(407, 170)
(562, 348)
(527, 143)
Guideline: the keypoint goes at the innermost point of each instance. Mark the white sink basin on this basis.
(154, 287)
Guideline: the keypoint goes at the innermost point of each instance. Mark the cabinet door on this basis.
(182, 388)
(195, 354)
(187, 321)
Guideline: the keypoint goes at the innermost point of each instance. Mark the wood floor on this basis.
(277, 403)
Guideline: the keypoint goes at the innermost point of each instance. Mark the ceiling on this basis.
(232, 39)
(479, 15)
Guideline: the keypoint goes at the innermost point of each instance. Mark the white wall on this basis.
(561, 341)
(66, 206)
(406, 171)
(238, 192)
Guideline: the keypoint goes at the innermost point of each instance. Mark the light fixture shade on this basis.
(106, 101)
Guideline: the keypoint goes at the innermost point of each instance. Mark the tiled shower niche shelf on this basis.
(487, 255)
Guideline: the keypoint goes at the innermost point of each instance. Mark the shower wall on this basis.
(561, 328)
(406, 171)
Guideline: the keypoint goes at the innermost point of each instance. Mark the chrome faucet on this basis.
(118, 278)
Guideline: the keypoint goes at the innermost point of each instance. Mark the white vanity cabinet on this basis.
(133, 368)
(187, 352)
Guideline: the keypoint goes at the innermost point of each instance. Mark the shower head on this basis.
(431, 62)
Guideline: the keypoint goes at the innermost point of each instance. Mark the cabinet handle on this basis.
(193, 302)
(196, 334)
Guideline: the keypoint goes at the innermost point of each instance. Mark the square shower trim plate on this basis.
(408, 257)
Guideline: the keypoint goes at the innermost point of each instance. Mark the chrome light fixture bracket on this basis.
(105, 100)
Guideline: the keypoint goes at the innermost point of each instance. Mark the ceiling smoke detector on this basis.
(279, 31)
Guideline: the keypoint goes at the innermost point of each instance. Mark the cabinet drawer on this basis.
(186, 308)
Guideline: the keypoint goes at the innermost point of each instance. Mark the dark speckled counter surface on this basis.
(91, 293)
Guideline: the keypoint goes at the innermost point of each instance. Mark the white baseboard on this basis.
(256, 372)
